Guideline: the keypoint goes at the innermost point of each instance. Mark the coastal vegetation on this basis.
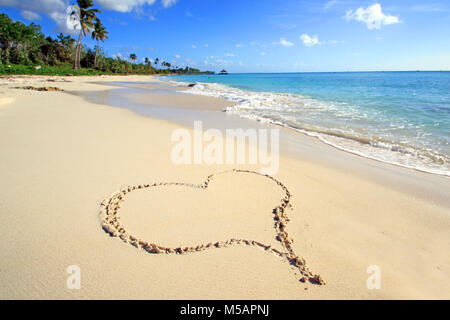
(25, 49)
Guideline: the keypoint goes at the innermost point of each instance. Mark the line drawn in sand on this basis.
(109, 212)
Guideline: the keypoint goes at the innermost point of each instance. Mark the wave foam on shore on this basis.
(335, 123)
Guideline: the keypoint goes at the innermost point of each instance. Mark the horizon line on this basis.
(360, 71)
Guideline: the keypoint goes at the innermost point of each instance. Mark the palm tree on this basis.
(133, 57)
(156, 61)
(148, 63)
(85, 15)
(99, 33)
(165, 64)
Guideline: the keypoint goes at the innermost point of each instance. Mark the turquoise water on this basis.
(397, 117)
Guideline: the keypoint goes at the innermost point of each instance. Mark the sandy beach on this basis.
(67, 154)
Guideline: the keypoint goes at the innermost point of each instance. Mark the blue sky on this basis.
(266, 35)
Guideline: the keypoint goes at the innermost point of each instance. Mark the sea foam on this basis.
(339, 124)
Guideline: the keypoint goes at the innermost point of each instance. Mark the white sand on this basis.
(61, 156)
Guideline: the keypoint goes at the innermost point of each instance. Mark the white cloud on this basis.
(168, 3)
(263, 53)
(329, 4)
(43, 6)
(177, 56)
(309, 41)
(372, 16)
(336, 41)
(30, 15)
(206, 45)
(118, 21)
(194, 46)
(229, 55)
(64, 23)
(129, 5)
(284, 42)
(55, 9)
(123, 5)
(239, 45)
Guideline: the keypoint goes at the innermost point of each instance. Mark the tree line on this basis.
(24, 47)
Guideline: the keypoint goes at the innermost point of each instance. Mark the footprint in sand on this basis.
(111, 224)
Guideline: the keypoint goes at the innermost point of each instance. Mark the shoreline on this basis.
(347, 141)
(62, 156)
(213, 112)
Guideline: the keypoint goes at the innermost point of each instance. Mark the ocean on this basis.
(401, 118)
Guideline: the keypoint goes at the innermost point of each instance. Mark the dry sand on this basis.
(62, 156)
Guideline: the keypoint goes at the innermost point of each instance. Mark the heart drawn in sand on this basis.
(111, 225)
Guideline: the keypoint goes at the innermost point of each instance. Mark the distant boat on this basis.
(223, 72)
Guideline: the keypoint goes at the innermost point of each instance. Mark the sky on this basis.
(264, 35)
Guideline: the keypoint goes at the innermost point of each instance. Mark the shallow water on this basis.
(396, 117)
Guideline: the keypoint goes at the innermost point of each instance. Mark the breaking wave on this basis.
(368, 133)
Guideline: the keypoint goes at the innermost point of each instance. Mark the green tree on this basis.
(99, 34)
(19, 43)
(6, 36)
(133, 57)
(67, 44)
(148, 63)
(85, 14)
